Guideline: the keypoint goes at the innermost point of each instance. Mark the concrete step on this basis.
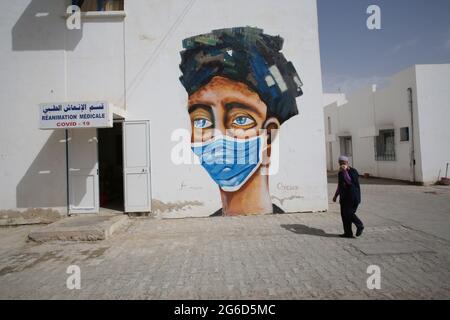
(89, 227)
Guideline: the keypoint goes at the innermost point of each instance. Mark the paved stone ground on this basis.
(292, 256)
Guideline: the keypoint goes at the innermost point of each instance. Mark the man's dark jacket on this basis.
(349, 195)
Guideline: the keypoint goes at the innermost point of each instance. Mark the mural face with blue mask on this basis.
(241, 89)
(230, 161)
(232, 136)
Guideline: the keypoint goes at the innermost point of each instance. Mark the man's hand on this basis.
(334, 199)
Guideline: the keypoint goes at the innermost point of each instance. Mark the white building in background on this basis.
(126, 59)
(401, 131)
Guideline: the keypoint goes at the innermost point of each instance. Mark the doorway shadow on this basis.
(42, 26)
(110, 159)
(302, 229)
(44, 183)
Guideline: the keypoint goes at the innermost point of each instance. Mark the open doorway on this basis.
(347, 148)
(110, 159)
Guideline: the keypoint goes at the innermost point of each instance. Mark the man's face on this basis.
(224, 104)
(343, 164)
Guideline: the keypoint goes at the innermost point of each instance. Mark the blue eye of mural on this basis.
(202, 123)
(243, 121)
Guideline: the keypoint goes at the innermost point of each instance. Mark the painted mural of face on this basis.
(241, 89)
(228, 108)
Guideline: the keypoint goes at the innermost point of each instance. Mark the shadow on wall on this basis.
(42, 26)
(44, 183)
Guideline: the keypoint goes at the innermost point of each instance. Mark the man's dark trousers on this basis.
(348, 214)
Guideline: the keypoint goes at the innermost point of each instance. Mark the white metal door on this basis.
(136, 166)
(83, 171)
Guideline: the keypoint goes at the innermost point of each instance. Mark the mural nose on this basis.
(220, 130)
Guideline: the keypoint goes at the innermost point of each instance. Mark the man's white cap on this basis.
(343, 158)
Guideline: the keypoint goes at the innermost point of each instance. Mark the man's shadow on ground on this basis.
(302, 229)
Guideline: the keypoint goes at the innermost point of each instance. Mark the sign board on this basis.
(72, 115)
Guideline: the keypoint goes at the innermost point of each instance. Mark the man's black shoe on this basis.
(346, 236)
(359, 231)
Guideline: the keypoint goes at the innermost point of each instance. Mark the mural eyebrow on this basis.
(232, 105)
(196, 106)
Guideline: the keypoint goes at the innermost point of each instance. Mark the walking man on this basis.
(349, 194)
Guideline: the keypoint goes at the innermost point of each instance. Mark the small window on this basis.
(385, 145)
(404, 134)
(99, 5)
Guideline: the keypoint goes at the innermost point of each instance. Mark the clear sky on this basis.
(412, 32)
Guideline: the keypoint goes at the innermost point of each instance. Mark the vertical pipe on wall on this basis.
(377, 132)
(413, 157)
(67, 172)
(66, 131)
(330, 146)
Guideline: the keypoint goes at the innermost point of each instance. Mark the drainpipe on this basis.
(411, 111)
(67, 172)
(374, 117)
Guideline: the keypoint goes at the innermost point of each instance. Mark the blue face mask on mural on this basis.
(230, 161)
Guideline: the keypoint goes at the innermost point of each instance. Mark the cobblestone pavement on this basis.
(291, 256)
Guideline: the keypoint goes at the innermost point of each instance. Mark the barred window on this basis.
(385, 145)
(99, 5)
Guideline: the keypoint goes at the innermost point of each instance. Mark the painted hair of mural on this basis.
(241, 89)
(247, 55)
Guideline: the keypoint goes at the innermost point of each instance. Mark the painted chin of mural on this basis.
(232, 134)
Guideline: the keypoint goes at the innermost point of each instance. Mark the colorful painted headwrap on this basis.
(247, 55)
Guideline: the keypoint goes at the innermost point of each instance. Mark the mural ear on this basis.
(271, 125)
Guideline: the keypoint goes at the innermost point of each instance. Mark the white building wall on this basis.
(331, 125)
(355, 119)
(29, 158)
(392, 111)
(332, 101)
(154, 33)
(368, 111)
(359, 108)
(133, 63)
(329, 98)
(434, 119)
(43, 61)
